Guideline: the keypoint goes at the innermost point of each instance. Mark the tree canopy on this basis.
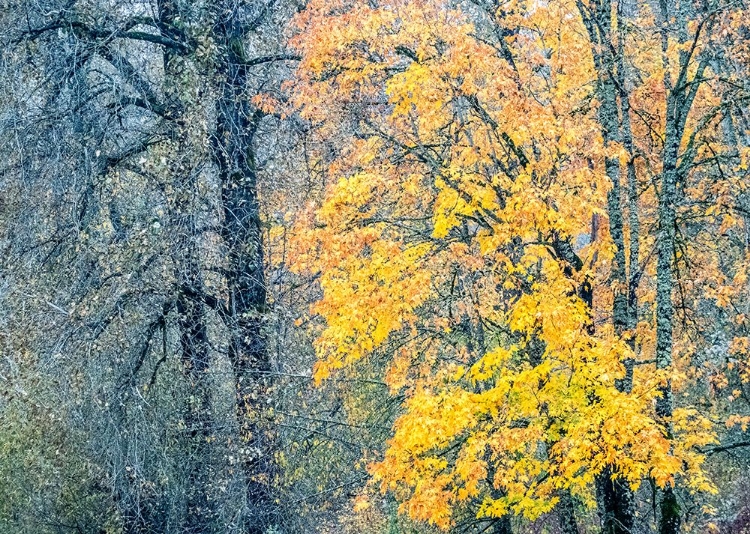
(375, 266)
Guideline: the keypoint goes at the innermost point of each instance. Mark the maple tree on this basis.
(476, 205)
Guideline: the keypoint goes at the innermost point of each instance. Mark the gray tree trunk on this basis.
(237, 124)
(615, 499)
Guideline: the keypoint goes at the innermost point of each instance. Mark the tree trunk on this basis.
(502, 525)
(567, 516)
(615, 500)
(634, 270)
(195, 361)
(248, 353)
(665, 248)
(191, 317)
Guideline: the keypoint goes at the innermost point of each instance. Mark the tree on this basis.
(157, 235)
(512, 238)
(460, 240)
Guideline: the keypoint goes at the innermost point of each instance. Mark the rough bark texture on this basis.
(615, 500)
(191, 314)
(567, 514)
(681, 93)
(237, 124)
(665, 244)
(625, 11)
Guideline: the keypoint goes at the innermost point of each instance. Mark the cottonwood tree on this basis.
(133, 230)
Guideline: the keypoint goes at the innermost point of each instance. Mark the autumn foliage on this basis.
(375, 266)
(465, 237)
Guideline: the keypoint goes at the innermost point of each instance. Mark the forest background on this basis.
(386, 266)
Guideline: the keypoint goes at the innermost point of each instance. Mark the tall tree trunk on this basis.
(191, 317)
(665, 248)
(614, 498)
(680, 94)
(634, 271)
(242, 234)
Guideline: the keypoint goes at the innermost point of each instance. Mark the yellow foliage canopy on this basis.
(456, 238)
